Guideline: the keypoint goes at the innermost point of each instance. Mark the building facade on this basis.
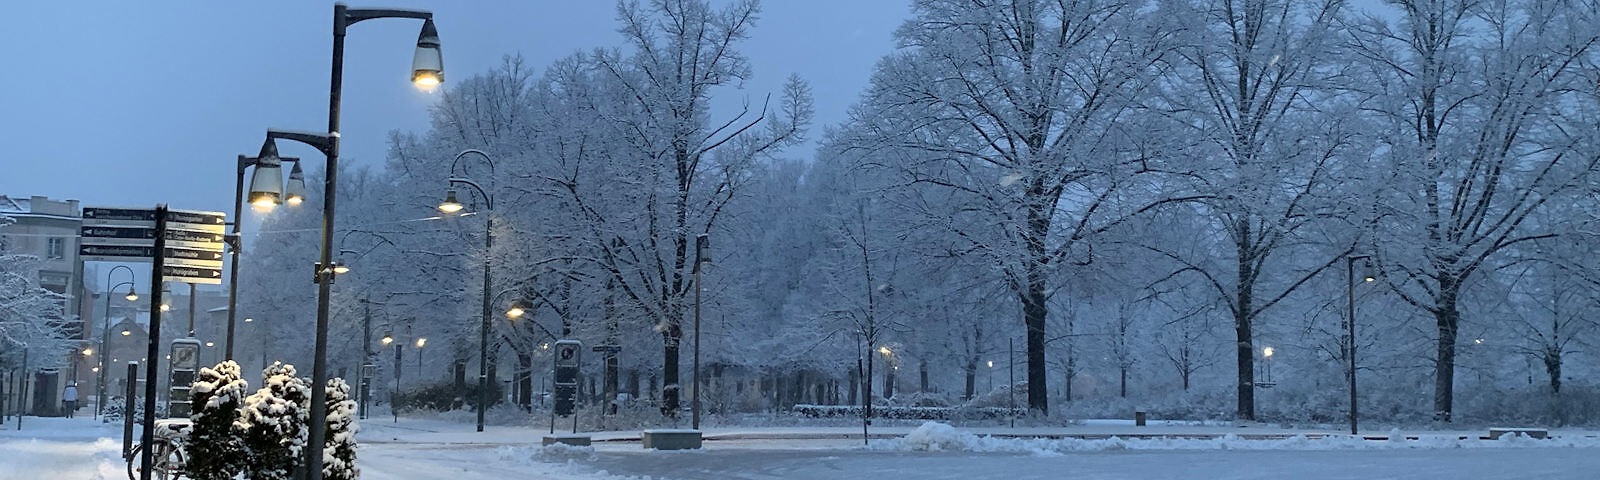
(48, 229)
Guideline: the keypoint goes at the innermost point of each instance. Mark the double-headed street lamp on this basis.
(100, 379)
(267, 190)
(427, 70)
(1350, 325)
(452, 205)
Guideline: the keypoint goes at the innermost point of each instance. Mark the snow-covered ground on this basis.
(53, 448)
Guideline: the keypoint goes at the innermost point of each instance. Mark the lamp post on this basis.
(264, 194)
(427, 70)
(702, 247)
(451, 205)
(100, 380)
(1350, 325)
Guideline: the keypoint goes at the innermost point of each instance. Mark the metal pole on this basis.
(483, 334)
(1011, 390)
(233, 267)
(127, 408)
(154, 350)
(695, 399)
(366, 353)
(330, 193)
(1350, 291)
(22, 390)
(191, 310)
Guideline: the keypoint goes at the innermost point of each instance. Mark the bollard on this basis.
(127, 408)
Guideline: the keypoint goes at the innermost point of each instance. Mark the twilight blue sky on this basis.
(134, 103)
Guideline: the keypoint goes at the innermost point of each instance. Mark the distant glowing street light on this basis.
(132, 297)
(387, 340)
(421, 342)
(991, 364)
(1267, 352)
(450, 204)
(125, 332)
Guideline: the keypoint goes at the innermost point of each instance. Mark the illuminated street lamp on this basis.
(1367, 275)
(427, 71)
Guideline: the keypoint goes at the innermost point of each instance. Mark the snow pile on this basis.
(561, 452)
(935, 436)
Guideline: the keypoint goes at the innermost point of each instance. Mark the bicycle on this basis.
(167, 448)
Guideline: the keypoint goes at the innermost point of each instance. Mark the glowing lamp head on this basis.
(1267, 352)
(339, 268)
(451, 205)
(88, 352)
(166, 308)
(421, 342)
(518, 309)
(387, 340)
(249, 319)
(211, 344)
(125, 332)
(266, 185)
(132, 297)
(991, 364)
(427, 65)
(295, 191)
(884, 350)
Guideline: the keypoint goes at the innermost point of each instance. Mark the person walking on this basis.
(69, 398)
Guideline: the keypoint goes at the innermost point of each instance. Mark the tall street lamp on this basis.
(1350, 322)
(702, 247)
(100, 380)
(427, 70)
(267, 190)
(451, 205)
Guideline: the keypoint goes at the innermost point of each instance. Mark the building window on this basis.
(58, 248)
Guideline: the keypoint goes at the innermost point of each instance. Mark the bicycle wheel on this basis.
(166, 465)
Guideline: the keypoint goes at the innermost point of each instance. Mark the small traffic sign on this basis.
(119, 214)
(192, 236)
(193, 257)
(116, 253)
(179, 273)
(195, 220)
(138, 233)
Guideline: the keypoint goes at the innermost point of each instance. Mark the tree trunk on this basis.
(855, 386)
(1552, 366)
(923, 384)
(1243, 331)
(1034, 309)
(972, 377)
(669, 370)
(1124, 382)
(525, 380)
(1448, 319)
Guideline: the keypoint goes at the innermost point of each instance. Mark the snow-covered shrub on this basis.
(275, 418)
(339, 451)
(443, 397)
(215, 444)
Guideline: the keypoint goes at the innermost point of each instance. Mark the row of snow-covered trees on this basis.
(1142, 193)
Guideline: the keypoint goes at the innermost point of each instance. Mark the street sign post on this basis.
(193, 241)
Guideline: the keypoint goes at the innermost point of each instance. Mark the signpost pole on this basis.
(154, 351)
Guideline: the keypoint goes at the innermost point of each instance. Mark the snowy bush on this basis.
(116, 408)
(339, 452)
(215, 445)
(443, 397)
(275, 418)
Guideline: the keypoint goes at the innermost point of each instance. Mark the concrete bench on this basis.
(574, 440)
(671, 439)
(1539, 433)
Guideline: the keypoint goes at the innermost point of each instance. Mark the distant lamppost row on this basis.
(100, 379)
(452, 205)
(267, 190)
(427, 70)
(1350, 325)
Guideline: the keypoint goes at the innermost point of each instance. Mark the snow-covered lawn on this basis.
(436, 449)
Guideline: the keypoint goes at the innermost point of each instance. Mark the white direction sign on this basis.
(179, 273)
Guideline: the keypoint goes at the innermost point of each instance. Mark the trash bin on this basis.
(1138, 418)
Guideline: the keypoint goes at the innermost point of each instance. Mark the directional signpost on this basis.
(193, 248)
